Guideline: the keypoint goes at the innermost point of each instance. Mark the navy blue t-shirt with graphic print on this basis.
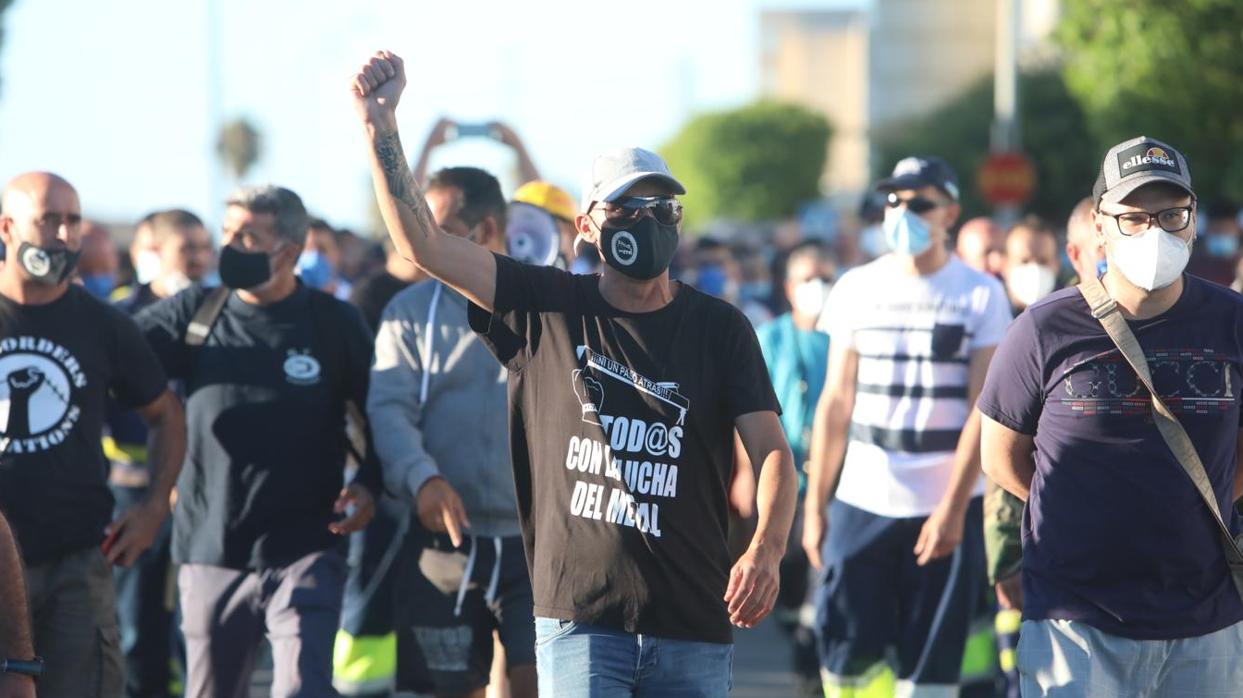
(266, 400)
(622, 438)
(1114, 533)
(58, 364)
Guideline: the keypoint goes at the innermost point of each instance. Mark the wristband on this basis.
(32, 668)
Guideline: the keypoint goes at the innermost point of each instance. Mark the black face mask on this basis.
(244, 269)
(643, 251)
(49, 267)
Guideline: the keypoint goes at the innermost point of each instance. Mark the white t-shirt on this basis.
(914, 336)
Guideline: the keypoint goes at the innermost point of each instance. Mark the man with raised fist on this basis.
(623, 511)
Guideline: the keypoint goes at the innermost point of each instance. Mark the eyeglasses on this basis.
(666, 210)
(1171, 220)
(915, 204)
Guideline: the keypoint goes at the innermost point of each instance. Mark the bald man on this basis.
(1083, 247)
(62, 352)
(981, 245)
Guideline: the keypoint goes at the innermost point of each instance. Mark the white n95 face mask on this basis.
(1151, 260)
(1030, 282)
(147, 266)
(809, 297)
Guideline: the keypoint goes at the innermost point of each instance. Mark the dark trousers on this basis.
(873, 597)
(75, 626)
(226, 612)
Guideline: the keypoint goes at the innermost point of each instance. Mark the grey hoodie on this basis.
(442, 411)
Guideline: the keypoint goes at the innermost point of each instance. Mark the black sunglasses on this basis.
(915, 204)
(665, 209)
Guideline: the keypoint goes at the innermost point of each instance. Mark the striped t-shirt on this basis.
(914, 336)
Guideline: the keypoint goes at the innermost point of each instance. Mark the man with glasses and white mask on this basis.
(892, 512)
(1126, 583)
(626, 389)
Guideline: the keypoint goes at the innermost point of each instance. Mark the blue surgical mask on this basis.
(314, 269)
(1221, 246)
(906, 233)
(712, 280)
(99, 285)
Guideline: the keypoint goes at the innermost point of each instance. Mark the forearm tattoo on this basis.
(400, 179)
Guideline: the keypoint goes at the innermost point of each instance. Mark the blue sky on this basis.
(116, 96)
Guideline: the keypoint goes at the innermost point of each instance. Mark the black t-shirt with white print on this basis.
(621, 429)
(58, 363)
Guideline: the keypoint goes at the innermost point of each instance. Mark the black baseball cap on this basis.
(1132, 164)
(922, 171)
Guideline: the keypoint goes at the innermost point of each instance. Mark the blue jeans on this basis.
(577, 660)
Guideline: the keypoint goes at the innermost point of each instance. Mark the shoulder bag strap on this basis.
(1105, 310)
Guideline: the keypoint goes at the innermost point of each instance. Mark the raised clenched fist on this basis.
(590, 395)
(377, 85)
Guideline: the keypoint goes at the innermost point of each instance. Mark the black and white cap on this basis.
(1134, 163)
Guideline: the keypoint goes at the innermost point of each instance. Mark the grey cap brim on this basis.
(1130, 184)
(618, 187)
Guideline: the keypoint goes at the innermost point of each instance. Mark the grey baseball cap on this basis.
(613, 172)
(1134, 163)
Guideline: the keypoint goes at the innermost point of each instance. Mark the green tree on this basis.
(1169, 70)
(239, 145)
(754, 163)
(1055, 139)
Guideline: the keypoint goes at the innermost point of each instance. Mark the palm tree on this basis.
(239, 146)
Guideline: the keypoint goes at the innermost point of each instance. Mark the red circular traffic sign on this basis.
(1006, 179)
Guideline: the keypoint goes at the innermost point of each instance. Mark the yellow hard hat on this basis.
(549, 197)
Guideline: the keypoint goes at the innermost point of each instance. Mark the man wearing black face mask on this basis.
(269, 373)
(625, 392)
(61, 353)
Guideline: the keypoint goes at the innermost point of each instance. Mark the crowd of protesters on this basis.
(532, 445)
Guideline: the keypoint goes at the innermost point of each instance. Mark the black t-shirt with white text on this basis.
(58, 363)
(621, 430)
(265, 413)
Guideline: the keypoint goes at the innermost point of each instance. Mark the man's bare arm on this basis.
(967, 456)
(830, 434)
(435, 139)
(136, 529)
(16, 640)
(167, 422)
(466, 267)
(755, 578)
(944, 529)
(1007, 457)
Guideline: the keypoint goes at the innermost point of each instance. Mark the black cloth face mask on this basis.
(244, 270)
(49, 267)
(641, 251)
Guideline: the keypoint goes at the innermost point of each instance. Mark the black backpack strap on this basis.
(209, 309)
